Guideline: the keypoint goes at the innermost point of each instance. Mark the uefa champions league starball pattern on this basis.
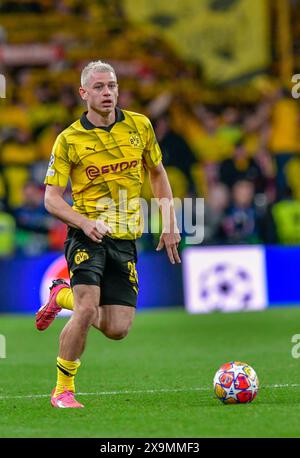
(236, 383)
(226, 287)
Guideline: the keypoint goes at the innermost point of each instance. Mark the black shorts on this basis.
(109, 265)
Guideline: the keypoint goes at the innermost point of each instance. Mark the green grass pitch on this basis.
(158, 381)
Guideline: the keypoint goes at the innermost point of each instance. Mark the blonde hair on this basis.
(96, 66)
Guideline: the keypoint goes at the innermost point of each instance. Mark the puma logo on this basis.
(91, 149)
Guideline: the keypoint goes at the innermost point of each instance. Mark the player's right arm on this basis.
(56, 180)
(58, 207)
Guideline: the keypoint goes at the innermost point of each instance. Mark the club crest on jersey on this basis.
(134, 140)
(81, 256)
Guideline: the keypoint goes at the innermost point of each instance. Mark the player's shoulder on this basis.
(67, 135)
(137, 117)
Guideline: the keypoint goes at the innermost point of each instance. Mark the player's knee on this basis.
(116, 333)
(85, 312)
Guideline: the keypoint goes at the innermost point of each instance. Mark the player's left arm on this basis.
(161, 189)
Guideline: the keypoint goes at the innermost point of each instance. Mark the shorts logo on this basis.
(81, 256)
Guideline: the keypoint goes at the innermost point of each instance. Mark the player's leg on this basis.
(73, 336)
(81, 254)
(61, 297)
(119, 289)
(86, 261)
(65, 298)
(120, 285)
(114, 320)
(72, 343)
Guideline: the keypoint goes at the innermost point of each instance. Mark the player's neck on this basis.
(101, 119)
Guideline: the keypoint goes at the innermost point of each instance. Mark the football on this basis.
(236, 383)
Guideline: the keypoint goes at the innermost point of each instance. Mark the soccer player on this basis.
(105, 154)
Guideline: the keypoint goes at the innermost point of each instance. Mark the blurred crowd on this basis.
(239, 149)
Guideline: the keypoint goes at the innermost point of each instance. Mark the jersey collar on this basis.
(88, 125)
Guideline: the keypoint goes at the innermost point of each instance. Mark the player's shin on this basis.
(66, 371)
(65, 299)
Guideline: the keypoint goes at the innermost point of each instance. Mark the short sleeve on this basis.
(59, 166)
(152, 152)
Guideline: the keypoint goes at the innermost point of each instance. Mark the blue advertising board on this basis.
(255, 277)
(25, 281)
(235, 278)
(283, 275)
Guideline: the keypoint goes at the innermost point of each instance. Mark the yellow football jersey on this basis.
(106, 168)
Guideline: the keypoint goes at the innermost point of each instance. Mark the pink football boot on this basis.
(65, 400)
(47, 313)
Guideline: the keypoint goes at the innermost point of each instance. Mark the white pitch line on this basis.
(160, 390)
(109, 393)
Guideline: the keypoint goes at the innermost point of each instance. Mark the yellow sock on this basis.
(65, 299)
(66, 371)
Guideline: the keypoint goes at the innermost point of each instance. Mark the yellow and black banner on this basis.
(229, 38)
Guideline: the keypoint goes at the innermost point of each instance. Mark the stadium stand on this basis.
(241, 136)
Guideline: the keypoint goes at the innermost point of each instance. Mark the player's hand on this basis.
(170, 240)
(95, 230)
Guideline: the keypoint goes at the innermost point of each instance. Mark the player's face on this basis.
(101, 92)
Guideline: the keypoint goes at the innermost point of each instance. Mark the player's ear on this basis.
(83, 93)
